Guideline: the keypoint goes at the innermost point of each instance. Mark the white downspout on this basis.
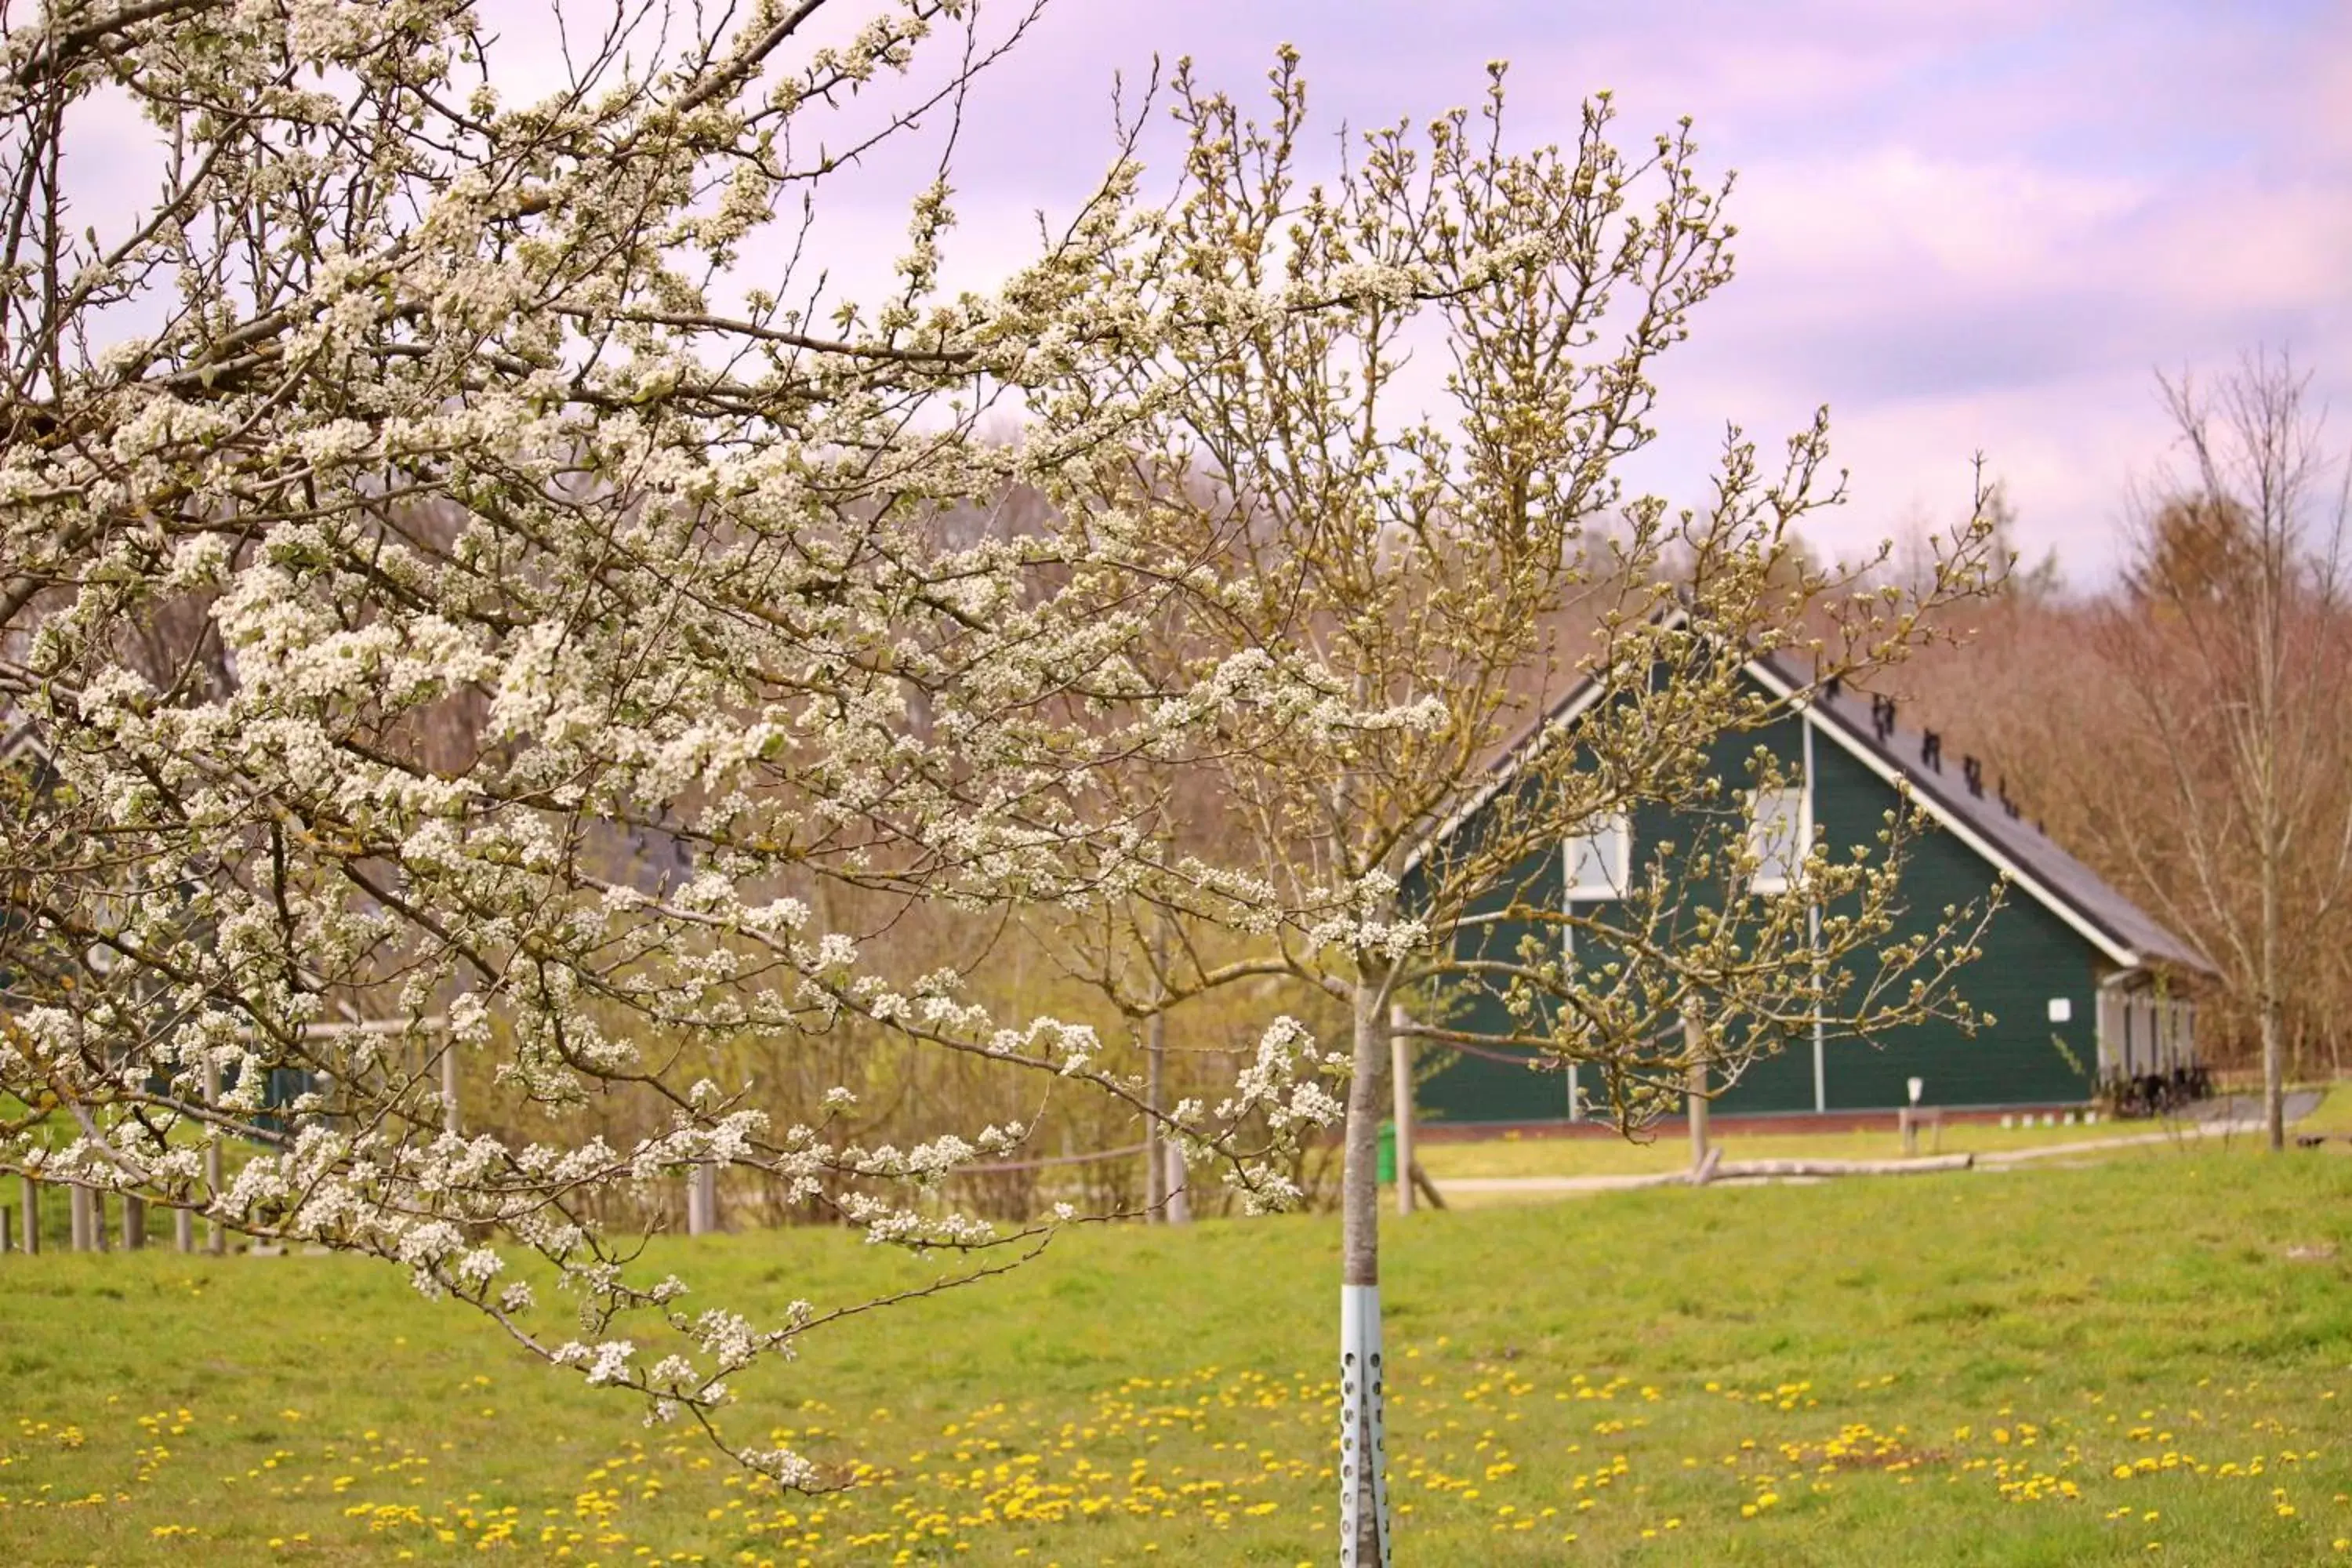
(1813, 931)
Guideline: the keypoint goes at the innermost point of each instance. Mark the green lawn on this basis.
(2144, 1360)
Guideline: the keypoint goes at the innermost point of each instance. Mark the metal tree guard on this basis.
(1362, 1439)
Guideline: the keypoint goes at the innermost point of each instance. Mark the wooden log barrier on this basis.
(1732, 1170)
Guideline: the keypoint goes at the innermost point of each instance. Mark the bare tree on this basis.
(2231, 646)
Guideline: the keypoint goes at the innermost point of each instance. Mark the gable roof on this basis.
(2074, 892)
(2120, 929)
(1507, 762)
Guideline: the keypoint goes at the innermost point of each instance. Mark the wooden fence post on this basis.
(1401, 1088)
(31, 1190)
(134, 1222)
(1179, 1189)
(215, 1238)
(183, 1231)
(1155, 1084)
(1693, 1044)
(78, 1216)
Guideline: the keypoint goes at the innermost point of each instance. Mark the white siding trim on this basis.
(1619, 824)
(1801, 842)
(1813, 936)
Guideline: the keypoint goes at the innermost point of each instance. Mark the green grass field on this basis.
(2143, 1361)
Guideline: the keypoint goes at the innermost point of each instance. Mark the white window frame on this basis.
(1768, 881)
(1612, 829)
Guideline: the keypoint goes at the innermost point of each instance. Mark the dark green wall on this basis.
(2029, 956)
(1479, 1087)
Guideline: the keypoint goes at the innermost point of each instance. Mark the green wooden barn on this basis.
(2082, 984)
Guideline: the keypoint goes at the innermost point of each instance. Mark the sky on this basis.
(1966, 225)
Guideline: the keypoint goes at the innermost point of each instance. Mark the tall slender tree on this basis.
(2236, 658)
(1404, 547)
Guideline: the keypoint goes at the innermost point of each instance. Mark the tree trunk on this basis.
(1155, 1165)
(1363, 1487)
(2269, 1002)
(449, 1118)
(2274, 1078)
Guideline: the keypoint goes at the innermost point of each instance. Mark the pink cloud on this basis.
(1976, 225)
(1979, 224)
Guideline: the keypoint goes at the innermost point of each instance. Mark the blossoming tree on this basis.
(414, 494)
(409, 494)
